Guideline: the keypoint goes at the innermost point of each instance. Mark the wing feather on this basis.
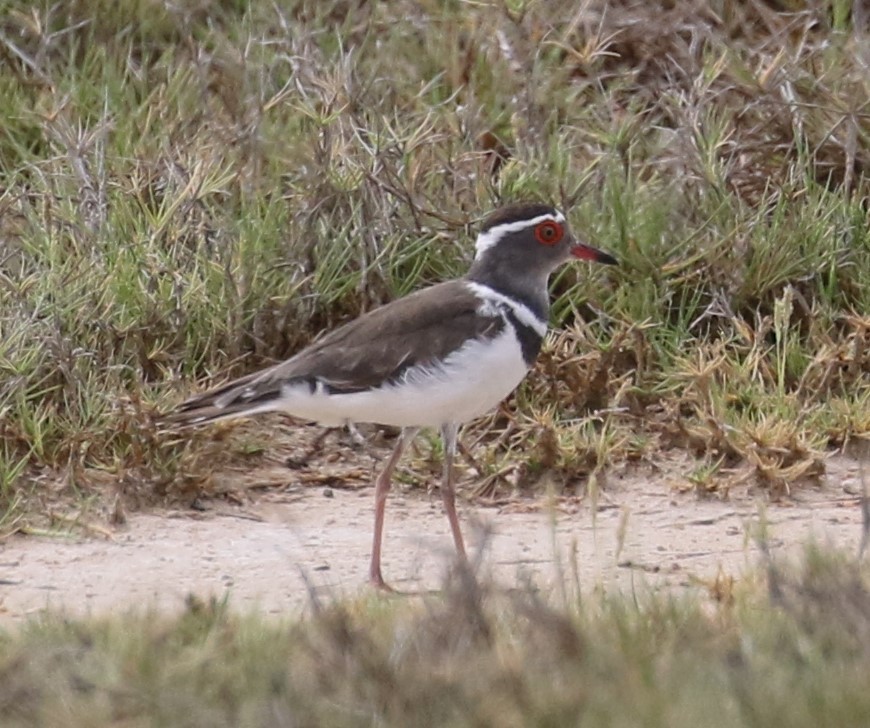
(370, 351)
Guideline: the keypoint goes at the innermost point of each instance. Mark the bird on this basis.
(436, 358)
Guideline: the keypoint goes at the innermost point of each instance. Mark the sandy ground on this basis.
(272, 552)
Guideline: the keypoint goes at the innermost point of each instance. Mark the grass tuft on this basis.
(791, 647)
(193, 190)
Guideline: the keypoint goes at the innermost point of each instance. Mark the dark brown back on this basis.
(370, 351)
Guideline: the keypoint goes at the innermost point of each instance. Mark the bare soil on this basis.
(281, 548)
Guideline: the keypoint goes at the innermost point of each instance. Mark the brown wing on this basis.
(370, 351)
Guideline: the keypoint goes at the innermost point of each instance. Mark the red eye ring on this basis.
(548, 232)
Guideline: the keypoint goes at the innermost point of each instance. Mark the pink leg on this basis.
(382, 489)
(449, 433)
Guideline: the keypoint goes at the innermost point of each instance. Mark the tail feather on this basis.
(207, 414)
(228, 401)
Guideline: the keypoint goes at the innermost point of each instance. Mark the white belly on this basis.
(470, 382)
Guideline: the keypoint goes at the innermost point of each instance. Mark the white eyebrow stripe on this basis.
(524, 314)
(489, 238)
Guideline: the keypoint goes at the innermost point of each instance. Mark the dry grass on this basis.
(792, 649)
(197, 188)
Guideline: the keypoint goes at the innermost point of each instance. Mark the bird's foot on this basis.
(376, 581)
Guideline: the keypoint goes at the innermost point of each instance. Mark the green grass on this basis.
(194, 189)
(789, 648)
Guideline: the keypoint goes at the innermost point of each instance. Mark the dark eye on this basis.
(548, 233)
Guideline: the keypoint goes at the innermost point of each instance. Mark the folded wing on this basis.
(375, 349)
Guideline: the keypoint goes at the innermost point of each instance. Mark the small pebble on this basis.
(852, 487)
(327, 493)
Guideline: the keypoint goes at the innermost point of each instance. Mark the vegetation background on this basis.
(198, 188)
(193, 189)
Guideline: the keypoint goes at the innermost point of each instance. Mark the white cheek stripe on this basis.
(525, 315)
(486, 240)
